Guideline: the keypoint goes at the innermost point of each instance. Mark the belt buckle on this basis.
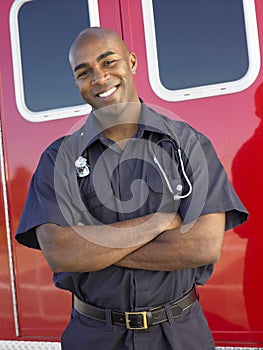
(139, 325)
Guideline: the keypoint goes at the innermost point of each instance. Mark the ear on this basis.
(133, 62)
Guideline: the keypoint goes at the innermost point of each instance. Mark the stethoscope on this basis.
(82, 167)
(179, 187)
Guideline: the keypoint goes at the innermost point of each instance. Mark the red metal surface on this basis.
(230, 299)
(7, 329)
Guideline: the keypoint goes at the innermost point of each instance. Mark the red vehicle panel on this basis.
(31, 308)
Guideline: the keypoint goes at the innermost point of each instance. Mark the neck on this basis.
(121, 132)
(119, 122)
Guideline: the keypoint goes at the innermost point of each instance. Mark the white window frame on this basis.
(50, 114)
(205, 90)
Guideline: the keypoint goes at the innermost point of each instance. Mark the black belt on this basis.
(140, 319)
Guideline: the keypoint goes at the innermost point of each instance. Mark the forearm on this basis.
(66, 250)
(174, 250)
(90, 248)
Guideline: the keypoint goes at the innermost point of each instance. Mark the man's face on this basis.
(103, 70)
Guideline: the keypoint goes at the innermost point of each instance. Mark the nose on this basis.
(99, 76)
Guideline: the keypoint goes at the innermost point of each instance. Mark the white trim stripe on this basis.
(28, 345)
(31, 345)
(8, 234)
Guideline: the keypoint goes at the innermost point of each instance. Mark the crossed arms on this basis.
(153, 242)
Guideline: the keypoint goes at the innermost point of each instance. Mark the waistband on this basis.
(138, 320)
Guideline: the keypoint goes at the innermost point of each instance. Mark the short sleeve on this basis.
(41, 205)
(212, 191)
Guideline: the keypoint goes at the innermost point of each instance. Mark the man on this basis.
(132, 232)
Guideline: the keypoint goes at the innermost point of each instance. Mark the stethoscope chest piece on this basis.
(82, 167)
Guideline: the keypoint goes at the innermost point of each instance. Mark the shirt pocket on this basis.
(100, 203)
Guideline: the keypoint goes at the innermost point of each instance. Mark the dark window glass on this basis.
(200, 42)
(47, 29)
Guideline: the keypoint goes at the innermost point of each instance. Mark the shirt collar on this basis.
(150, 120)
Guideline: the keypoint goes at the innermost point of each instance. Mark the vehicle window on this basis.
(41, 34)
(200, 48)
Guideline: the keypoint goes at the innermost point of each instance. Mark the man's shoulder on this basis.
(184, 131)
(179, 125)
(54, 146)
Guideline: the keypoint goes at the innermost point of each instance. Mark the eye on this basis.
(84, 74)
(109, 63)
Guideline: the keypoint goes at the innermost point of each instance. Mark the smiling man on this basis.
(103, 68)
(138, 225)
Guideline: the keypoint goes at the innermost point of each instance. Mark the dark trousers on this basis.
(189, 331)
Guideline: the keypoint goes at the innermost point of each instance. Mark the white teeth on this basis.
(108, 93)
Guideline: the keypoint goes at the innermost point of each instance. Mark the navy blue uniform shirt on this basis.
(125, 184)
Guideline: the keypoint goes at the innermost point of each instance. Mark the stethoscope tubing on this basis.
(177, 147)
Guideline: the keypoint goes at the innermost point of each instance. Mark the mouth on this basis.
(108, 93)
